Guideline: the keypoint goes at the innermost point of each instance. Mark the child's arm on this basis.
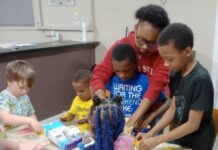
(67, 117)
(34, 117)
(142, 109)
(164, 121)
(157, 112)
(10, 119)
(191, 125)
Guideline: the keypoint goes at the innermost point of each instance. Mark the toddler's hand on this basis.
(35, 125)
(67, 117)
(81, 121)
(63, 119)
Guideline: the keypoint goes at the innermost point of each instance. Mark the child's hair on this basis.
(178, 34)
(108, 119)
(83, 76)
(154, 14)
(124, 51)
(20, 70)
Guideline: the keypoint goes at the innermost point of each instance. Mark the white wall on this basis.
(52, 18)
(111, 18)
(200, 15)
(215, 63)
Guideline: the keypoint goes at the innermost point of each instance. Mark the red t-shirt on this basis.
(149, 63)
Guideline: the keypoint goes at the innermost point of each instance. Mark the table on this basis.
(13, 134)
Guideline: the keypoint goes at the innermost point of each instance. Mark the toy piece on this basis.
(136, 144)
(87, 144)
(136, 130)
(169, 148)
(2, 135)
(40, 133)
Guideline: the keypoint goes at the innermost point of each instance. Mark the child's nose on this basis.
(166, 64)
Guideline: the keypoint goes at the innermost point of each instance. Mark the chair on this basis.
(215, 118)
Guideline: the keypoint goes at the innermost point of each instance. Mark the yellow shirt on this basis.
(81, 110)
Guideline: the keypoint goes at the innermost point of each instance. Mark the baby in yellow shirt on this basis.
(82, 103)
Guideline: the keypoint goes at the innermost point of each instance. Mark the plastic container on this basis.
(84, 32)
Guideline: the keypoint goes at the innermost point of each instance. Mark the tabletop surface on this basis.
(15, 134)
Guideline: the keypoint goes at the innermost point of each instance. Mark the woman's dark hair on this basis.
(154, 14)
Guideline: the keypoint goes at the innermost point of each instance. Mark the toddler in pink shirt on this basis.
(107, 121)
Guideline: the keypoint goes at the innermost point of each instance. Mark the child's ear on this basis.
(188, 51)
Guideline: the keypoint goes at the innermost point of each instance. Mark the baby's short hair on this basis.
(19, 70)
(83, 76)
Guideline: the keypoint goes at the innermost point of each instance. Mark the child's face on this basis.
(82, 90)
(174, 59)
(124, 69)
(18, 88)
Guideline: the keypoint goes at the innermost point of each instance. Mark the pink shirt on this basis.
(124, 142)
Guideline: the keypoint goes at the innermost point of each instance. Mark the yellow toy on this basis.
(136, 143)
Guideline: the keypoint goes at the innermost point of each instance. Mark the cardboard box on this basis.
(64, 137)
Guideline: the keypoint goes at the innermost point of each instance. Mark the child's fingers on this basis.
(63, 119)
(81, 121)
(36, 126)
(139, 136)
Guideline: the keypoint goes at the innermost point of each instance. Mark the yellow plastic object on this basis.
(169, 148)
(40, 133)
(7, 126)
(136, 143)
(107, 94)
